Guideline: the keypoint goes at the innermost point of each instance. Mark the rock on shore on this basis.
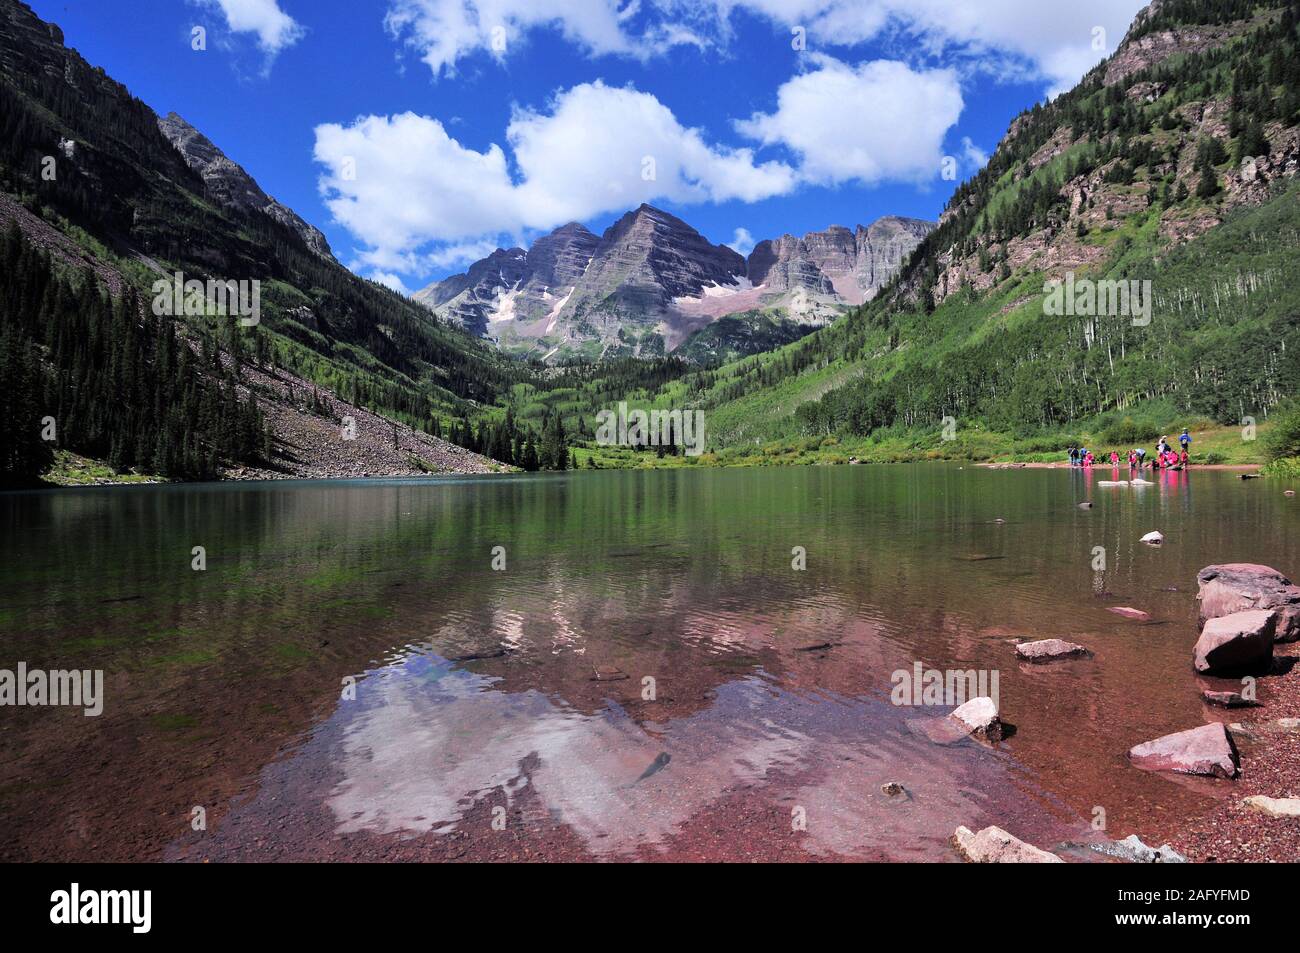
(1274, 806)
(1240, 642)
(1229, 699)
(993, 845)
(1236, 587)
(1206, 750)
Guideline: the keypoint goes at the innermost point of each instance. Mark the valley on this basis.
(500, 502)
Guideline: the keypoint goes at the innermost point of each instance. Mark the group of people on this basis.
(1165, 457)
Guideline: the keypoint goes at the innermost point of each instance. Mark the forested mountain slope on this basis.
(80, 155)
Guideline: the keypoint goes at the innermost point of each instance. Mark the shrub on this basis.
(1287, 469)
(1129, 432)
(1283, 438)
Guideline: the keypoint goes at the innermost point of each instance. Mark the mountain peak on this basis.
(651, 279)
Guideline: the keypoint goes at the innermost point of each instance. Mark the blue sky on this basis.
(420, 134)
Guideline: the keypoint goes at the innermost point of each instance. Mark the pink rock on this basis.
(980, 717)
(1235, 587)
(993, 845)
(1130, 613)
(1242, 641)
(1205, 750)
(1049, 650)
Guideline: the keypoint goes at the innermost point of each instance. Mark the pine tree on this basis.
(24, 454)
(1253, 142)
(1208, 187)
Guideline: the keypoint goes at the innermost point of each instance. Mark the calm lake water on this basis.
(507, 713)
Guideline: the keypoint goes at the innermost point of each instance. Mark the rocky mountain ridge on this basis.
(651, 281)
(230, 185)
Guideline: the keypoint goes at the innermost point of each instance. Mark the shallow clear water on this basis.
(525, 689)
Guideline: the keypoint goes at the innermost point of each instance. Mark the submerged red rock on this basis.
(1129, 612)
(1207, 750)
(1050, 650)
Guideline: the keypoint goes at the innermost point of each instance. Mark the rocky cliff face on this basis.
(651, 280)
(785, 264)
(229, 184)
(649, 252)
(558, 260)
(851, 266)
(471, 299)
(512, 286)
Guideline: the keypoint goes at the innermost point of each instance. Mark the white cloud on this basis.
(445, 31)
(976, 156)
(880, 121)
(1057, 42)
(742, 243)
(399, 183)
(275, 29)
(389, 280)
(1029, 39)
(602, 148)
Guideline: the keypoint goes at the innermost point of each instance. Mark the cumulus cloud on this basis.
(879, 121)
(399, 183)
(601, 148)
(275, 29)
(742, 243)
(446, 31)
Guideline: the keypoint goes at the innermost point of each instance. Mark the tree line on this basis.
(104, 377)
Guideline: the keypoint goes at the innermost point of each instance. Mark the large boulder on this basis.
(1206, 750)
(1241, 642)
(1235, 587)
(993, 845)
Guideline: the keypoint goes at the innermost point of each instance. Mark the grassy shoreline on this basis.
(1212, 445)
